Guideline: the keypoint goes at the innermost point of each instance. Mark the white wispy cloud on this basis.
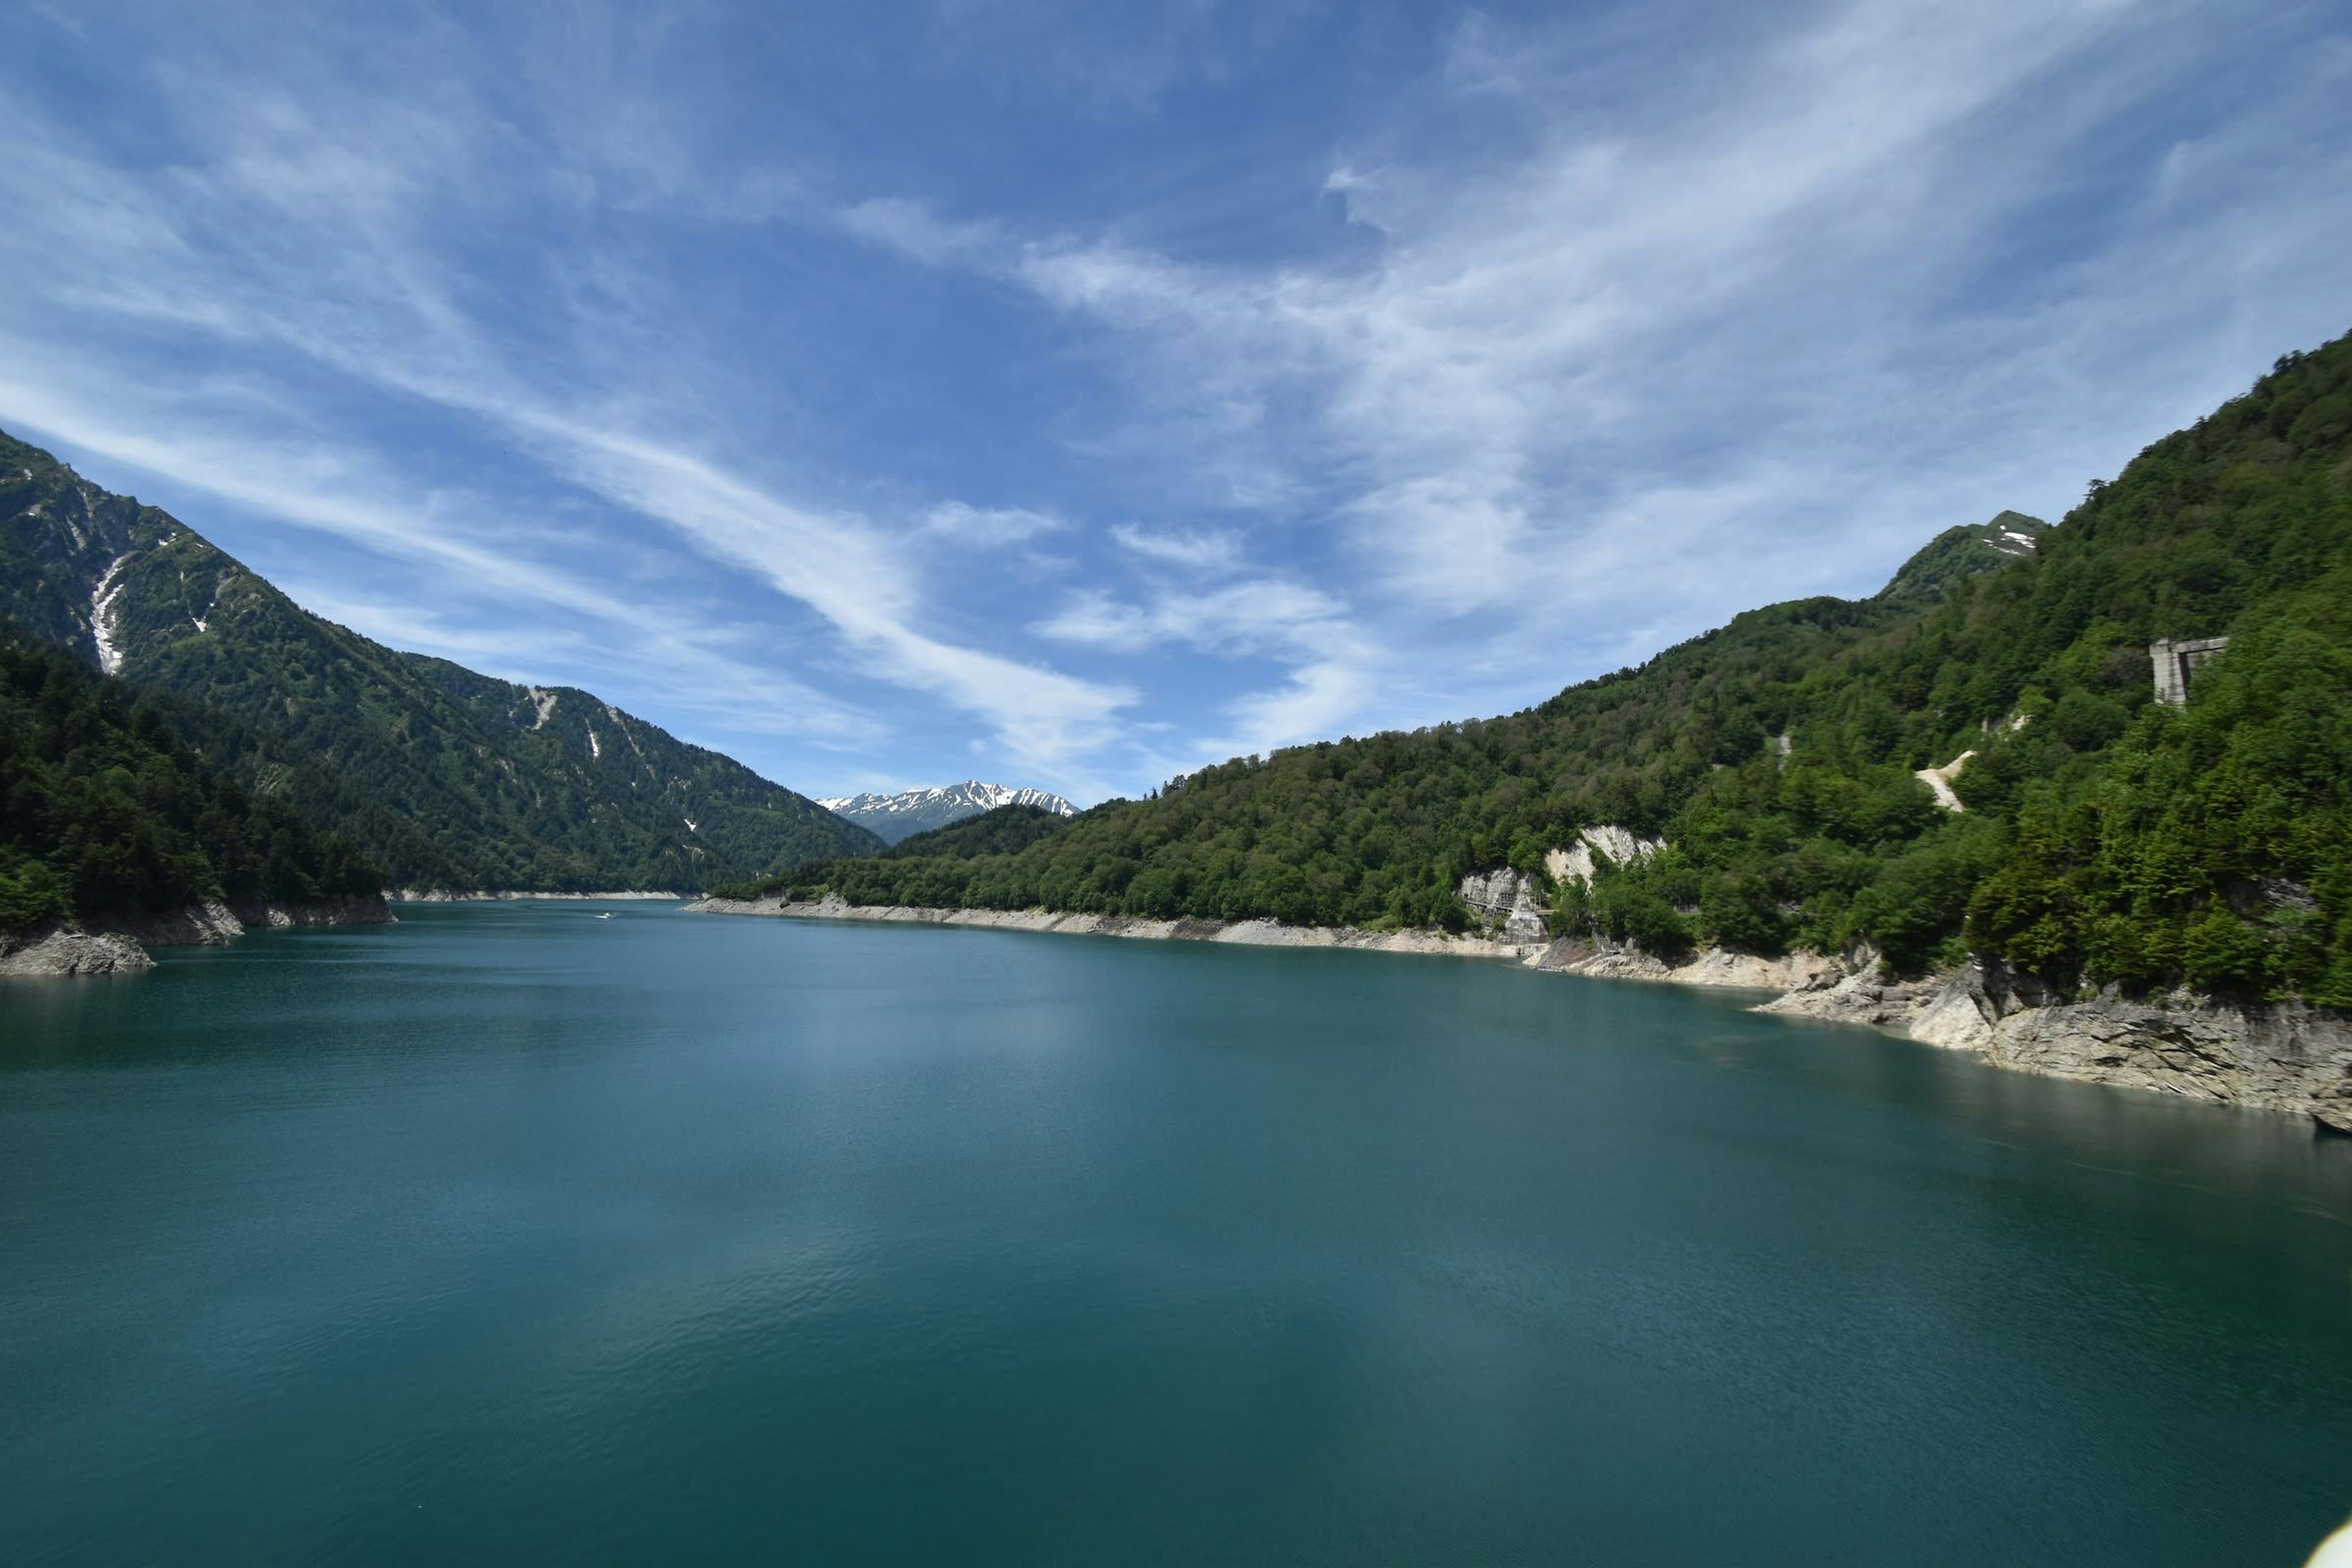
(1592, 331)
(962, 524)
(313, 231)
(1195, 549)
(1714, 346)
(1329, 666)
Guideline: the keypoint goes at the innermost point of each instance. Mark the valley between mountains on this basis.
(1989, 805)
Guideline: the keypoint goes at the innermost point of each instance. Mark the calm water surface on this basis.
(511, 1234)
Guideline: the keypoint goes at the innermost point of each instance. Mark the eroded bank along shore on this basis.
(480, 896)
(2283, 1057)
(118, 944)
(1247, 933)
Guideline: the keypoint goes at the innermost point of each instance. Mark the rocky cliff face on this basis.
(1505, 903)
(1620, 846)
(2282, 1057)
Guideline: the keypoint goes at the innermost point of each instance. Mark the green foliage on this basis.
(103, 809)
(31, 893)
(448, 778)
(1956, 554)
(1006, 830)
(2106, 838)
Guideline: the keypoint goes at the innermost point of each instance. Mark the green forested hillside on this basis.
(2107, 838)
(1003, 831)
(1956, 554)
(446, 777)
(104, 810)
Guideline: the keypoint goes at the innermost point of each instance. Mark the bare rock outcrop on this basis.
(1506, 901)
(1620, 845)
(118, 944)
(1599, 958)
(57, 952)
(1242, 934)
(2282, 1057)
(339, 912)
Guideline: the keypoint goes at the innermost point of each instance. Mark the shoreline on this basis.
(1240, 933)
(2283, 1057)
(118, 944)
(452, 896)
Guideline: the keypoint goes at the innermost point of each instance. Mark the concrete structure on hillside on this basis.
(2175, 662)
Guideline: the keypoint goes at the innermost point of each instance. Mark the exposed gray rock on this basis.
(344, 912)
(1862, 996)
(198, 925)
(117, 944)
(1601, 959)
(1245, 933)
(1620, 845)
(62, 952)
(2283, 1057)
(1506, 900)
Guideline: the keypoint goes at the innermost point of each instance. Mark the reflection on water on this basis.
(513, 1232)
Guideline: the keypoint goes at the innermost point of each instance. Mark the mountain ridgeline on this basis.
(445, 778)
(895, 817)
(2107, 838)
(1007, 830)
(1956, 554)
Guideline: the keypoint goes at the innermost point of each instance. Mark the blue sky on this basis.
(1073, 395)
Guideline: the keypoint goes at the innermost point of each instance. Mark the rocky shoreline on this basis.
(2284, 1057)
(117, 944)
(479, 896)
(1244, 934)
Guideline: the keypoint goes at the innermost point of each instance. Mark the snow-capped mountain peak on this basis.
(895, 816)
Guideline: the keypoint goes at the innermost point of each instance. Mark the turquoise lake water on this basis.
(509, 1235)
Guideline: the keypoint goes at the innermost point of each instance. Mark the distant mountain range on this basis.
(895, 816)
(445, 778)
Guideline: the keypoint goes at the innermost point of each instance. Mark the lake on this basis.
(509, 1233)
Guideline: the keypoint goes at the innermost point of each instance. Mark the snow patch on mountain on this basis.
(103, 627)
(895, 816)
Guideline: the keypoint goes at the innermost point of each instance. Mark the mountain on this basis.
(444, 777)
(1959, 554)
(2107, 837)
(895, 817)
(1005, 831)
(110, 814)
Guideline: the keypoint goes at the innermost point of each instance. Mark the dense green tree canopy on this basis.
(104, 810)
(2107, 838)
(448, 778)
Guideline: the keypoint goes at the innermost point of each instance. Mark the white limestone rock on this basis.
(1621, 845)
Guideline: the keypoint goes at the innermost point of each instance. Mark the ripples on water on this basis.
(510, 1234)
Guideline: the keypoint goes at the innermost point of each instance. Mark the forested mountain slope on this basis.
(104, 811)
(1957, 554)
(2108, 837)
(447, 778)
(1003, 831)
